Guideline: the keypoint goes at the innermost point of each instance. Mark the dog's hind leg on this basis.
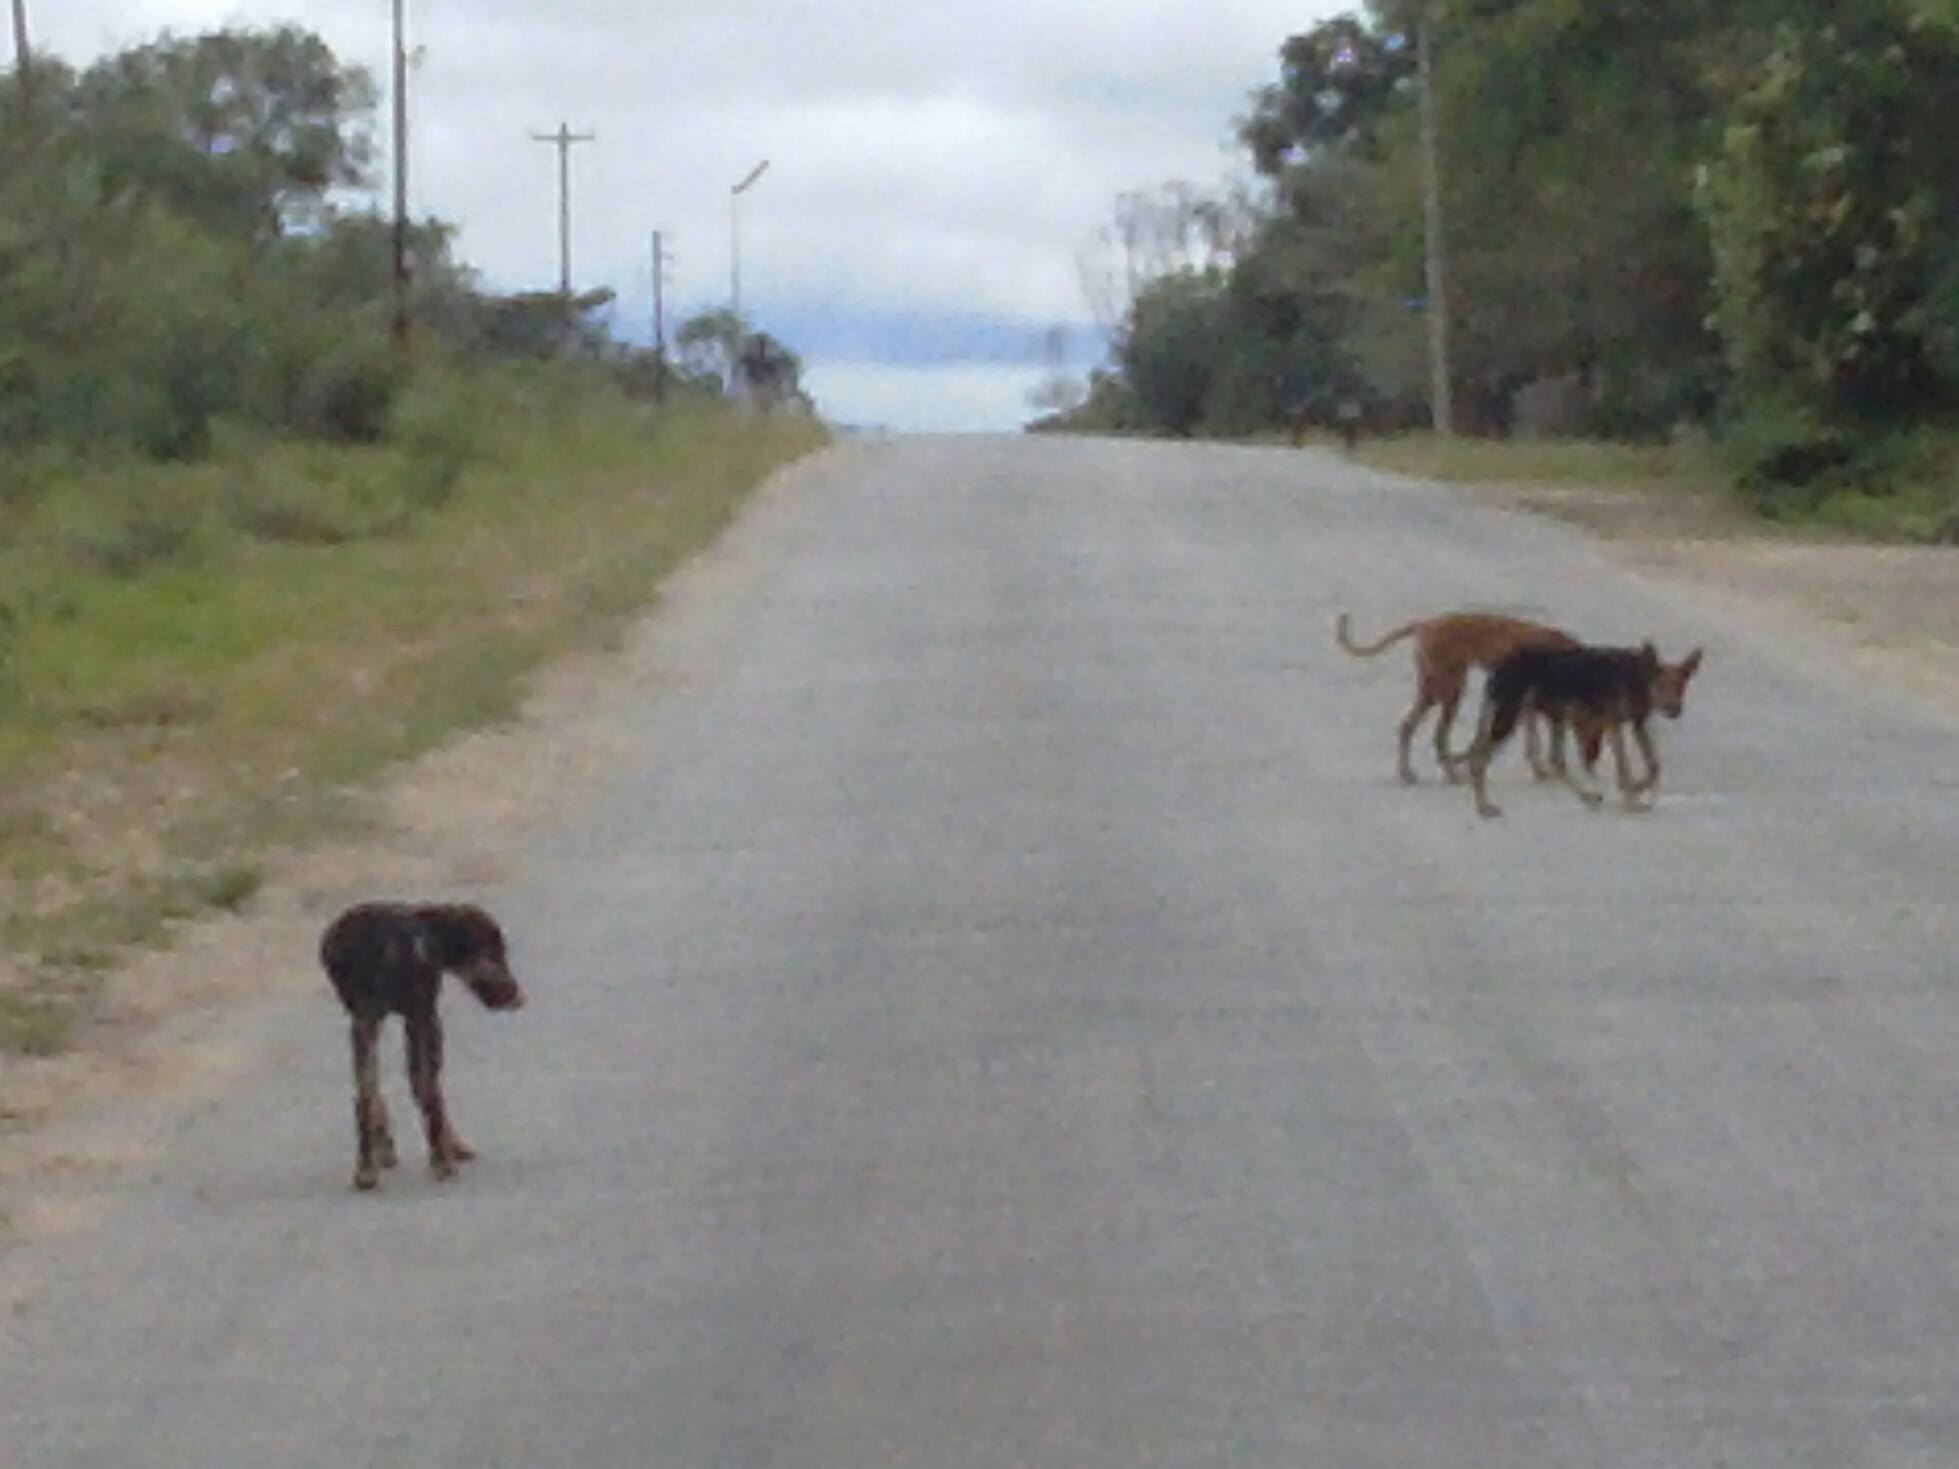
(1424, 700)
(1577, 787)
(372, 1141)
(1445, 720)
(1480, 750)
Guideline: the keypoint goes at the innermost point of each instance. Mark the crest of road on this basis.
(1005, 1012)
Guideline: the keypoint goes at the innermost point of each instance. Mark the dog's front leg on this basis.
(1629, 789)
(1564, 772)
(1534, 745)
(425, 1078)
(1644, 738)
(372, 1142)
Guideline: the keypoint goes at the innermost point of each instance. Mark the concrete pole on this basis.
(563, 138)
(399, 325)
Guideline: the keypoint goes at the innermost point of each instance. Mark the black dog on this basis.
(1596, 692)
(388, 959)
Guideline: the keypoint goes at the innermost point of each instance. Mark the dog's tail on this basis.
(1343, 630)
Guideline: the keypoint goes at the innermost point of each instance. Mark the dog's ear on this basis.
(462, 932)
(1649, 656)
(1689, 664)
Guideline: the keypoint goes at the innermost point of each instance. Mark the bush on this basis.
(1786, 457)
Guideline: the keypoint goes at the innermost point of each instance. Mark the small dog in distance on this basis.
(388, 959)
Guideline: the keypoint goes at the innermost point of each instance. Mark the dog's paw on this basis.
(385, 1154)
(367, 1178)
(1488, 810)
(441, 1169)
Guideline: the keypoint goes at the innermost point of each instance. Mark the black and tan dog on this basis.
(1594, 693)
(388, 959)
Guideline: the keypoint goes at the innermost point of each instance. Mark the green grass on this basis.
(1903, 488)
(273, 629)
(1689, 466)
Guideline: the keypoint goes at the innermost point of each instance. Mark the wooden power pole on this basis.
(23, 61)
(659, 319)
(563, 138)
(1440, 409)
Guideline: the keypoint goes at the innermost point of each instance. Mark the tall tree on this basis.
(243, 129)
(1833, 204)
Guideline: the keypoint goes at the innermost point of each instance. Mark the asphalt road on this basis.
(1008, 1015)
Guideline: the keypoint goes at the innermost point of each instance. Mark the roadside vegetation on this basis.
(1735, 222)
(253, 551)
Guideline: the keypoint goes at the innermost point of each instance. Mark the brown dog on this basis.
(1597, 692)
(388, 959)
(1447, 647)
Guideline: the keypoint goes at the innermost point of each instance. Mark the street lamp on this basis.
(734, 238)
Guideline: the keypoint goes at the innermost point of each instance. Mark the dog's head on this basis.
(469, 945)
(1670, 679)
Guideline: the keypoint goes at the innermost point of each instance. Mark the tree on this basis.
(1832, 206)
(243, 130)
(1338, 83)
(1175, 346)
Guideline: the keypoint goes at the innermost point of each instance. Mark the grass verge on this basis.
(202, 663)
(1901, 490)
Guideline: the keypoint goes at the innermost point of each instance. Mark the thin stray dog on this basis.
(388, 959)
(1447, 647)
(1599, 693)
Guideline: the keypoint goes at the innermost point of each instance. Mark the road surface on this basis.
(1006, 1014)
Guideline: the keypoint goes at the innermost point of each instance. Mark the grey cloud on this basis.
(927, 156)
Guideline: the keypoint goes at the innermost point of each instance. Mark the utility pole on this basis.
(564, 137)
(659, 320)
(734, 239)
(1438, 292)
(398, 326)
(23, 61)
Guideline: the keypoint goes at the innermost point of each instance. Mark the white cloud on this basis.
(956, 399)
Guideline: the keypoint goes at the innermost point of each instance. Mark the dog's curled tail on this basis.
(1343, 630)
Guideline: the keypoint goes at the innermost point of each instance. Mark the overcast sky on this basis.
(936, 167)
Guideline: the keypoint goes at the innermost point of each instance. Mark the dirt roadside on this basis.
(179, 1024)
(1887, 612)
